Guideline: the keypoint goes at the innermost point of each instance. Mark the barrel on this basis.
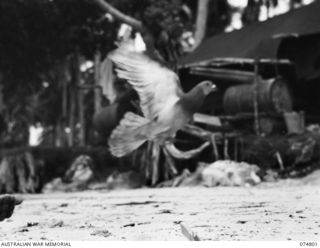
(273, 96)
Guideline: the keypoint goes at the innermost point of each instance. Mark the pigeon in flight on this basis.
(166, 108)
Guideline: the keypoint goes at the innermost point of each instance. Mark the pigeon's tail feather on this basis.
(128, 135)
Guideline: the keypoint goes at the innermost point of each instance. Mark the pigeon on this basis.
(7, 205)
(164, 105)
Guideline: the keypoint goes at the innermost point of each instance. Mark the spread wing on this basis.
(156, 85)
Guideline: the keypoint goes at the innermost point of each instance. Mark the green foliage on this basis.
(165, 16)
(252, 11)
(35, 36)
(38, 34)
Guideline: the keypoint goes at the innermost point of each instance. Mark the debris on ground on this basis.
(59, 223)
(188, 233)
(125, 180)
(270, 176)
(102, 233)
(31, 224)
(129, 225)
(230, 173)
(312, 179)
(219, 173)
(139, 203)
(77, 177)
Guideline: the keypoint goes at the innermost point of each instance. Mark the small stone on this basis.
(129, 225)
(242, 222)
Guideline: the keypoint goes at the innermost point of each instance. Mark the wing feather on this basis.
(155, 84)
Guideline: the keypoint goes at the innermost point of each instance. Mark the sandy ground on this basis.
(276, 211)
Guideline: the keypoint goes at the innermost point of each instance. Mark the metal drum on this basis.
(273, 96)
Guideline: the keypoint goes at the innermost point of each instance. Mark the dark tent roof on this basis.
(260, 39)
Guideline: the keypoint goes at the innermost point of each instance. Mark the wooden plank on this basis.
(224, 74)
(228, 60)
(207, 119)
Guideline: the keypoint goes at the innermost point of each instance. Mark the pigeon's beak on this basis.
(214, 88)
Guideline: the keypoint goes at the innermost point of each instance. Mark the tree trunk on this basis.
(73, 96)
(64, 100)
(119, 15)
(71, 118)
(60, 139)
(201, 22)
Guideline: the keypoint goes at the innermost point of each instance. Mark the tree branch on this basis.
(201, 22)
(136, 24)
(119, 15)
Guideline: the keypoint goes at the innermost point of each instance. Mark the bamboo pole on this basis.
(214, 147)
(97, 90)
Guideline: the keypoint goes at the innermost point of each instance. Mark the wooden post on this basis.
(97, 90)
(255, 97)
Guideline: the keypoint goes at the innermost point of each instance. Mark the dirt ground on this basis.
(286, 210)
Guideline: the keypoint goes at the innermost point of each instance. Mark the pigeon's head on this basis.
(207, 87)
